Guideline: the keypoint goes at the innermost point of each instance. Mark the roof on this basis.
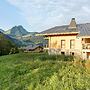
(82, 29)
(32, 47)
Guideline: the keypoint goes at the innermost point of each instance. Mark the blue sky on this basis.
(39, 15)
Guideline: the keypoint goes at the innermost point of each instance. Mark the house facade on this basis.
(72, 39)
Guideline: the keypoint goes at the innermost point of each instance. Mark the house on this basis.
(33, 48)
(72, 39)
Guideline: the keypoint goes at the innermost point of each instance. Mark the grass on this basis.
(39, 71)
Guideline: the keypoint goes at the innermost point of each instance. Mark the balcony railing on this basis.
(86, 46)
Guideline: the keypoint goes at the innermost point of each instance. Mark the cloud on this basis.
(42, 14)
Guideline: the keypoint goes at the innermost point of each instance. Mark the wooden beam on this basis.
(64, 33)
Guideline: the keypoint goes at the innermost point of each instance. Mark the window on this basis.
(72, 44)
(47, 43)
(72, 53)
(62, 53)
(62, 43)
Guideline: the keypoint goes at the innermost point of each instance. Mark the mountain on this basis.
(17, 42)
(17, 31)
(22, 37)
(38, 40)
(1, 30)
(13, 40)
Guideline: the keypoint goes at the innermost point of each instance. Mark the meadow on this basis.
(40, 71)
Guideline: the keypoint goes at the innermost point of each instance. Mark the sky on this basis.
(40, 15)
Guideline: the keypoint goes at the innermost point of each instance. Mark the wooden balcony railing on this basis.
(86, 46)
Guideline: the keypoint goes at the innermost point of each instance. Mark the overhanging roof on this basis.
(82, 30)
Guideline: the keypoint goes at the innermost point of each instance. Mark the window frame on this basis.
(63, 45)
(72, 45)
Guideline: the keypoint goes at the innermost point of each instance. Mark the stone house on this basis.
(72, 39)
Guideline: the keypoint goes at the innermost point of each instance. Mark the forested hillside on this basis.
(7, 46)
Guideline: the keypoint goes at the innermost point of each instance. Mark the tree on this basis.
(6, 45)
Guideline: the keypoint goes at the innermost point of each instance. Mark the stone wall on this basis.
(66, 52)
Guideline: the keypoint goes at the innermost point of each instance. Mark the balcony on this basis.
(86, 46)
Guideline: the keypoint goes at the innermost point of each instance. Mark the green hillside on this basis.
(28, 71)
(6, 45)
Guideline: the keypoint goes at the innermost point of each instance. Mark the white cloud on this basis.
(42, 14)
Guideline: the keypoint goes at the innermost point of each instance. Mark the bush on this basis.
(14, 50)
(44, 57)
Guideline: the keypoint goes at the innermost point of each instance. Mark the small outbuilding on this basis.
(33, 48)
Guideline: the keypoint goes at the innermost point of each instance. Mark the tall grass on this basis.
(35, 71)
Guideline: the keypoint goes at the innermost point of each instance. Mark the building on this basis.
(33, 48)
(72, 39)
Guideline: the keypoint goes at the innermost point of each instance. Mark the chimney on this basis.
(72, 24)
